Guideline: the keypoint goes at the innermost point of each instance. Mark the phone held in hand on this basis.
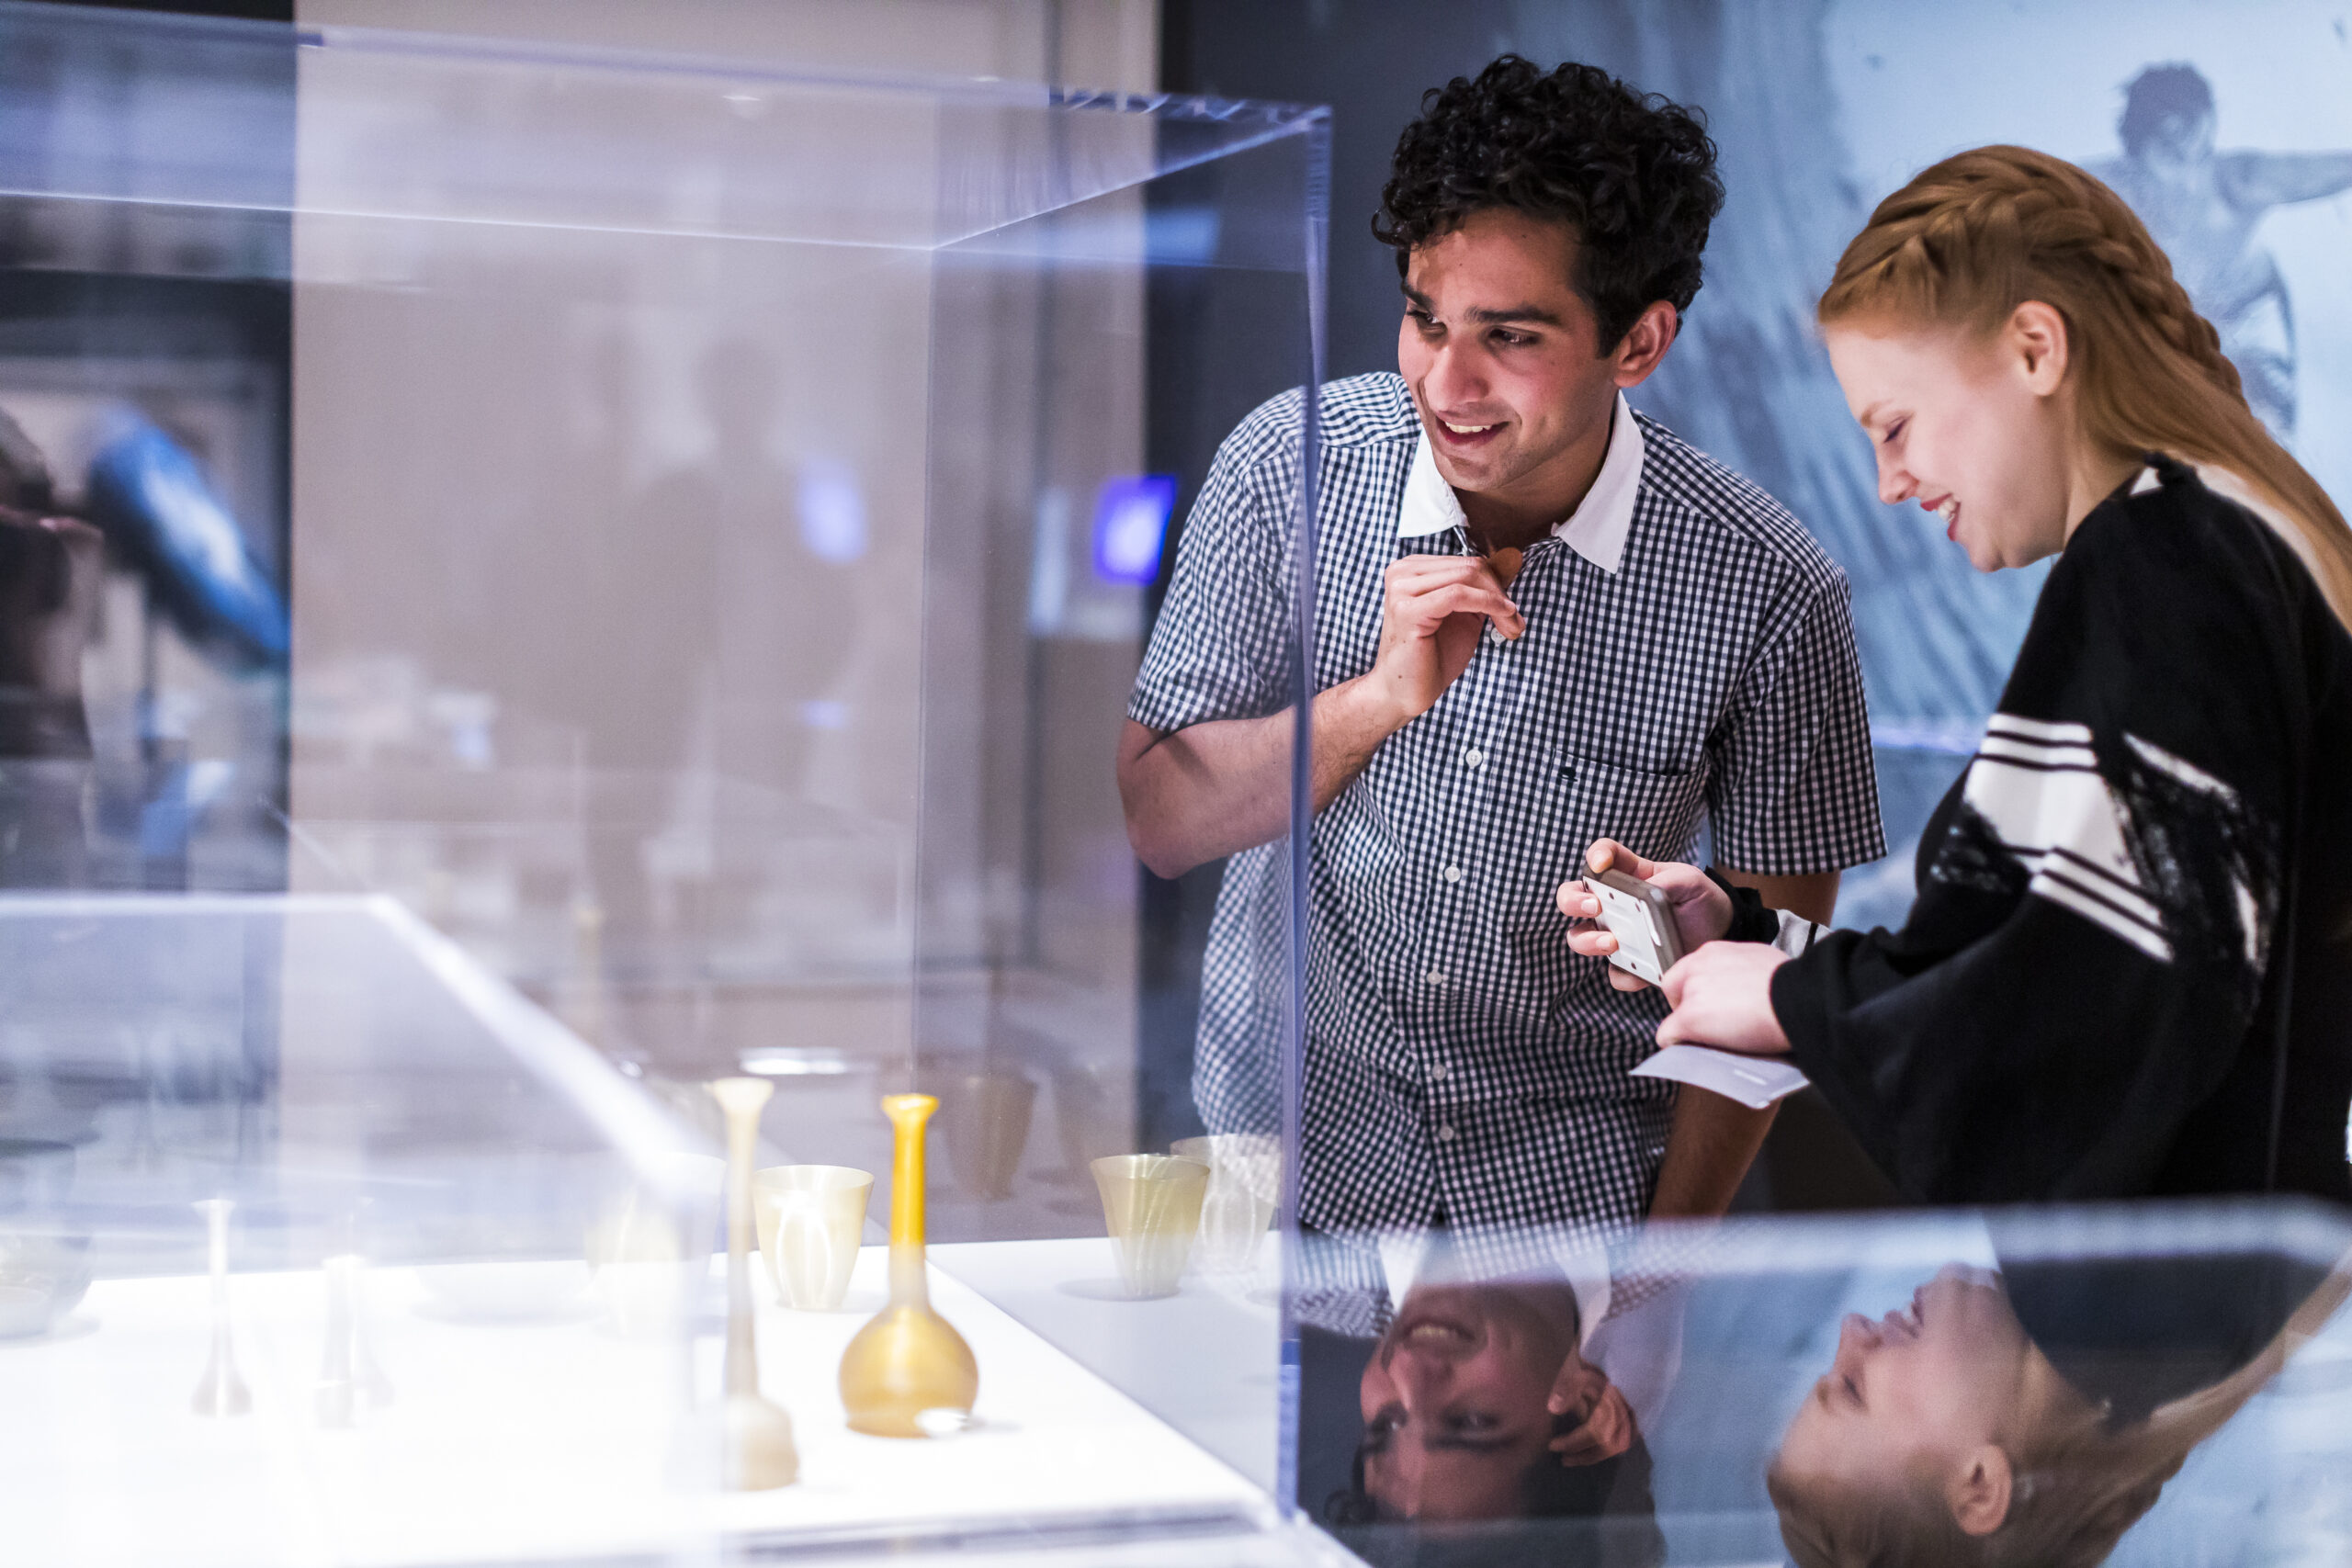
(1642, 919)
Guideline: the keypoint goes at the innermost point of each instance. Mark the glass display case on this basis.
(574, 982)
(539, 581)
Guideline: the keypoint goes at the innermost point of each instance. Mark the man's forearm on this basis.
(1712, 1142)
(1210, 790)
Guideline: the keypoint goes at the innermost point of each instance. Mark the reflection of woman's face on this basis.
(1921, 1384)
(1454, 1399)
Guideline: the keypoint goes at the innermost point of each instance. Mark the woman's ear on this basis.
(2037, 337)
(1978, 1492)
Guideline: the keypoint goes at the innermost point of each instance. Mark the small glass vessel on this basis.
(908, 1374)
(757, 1449)
(221, 1391)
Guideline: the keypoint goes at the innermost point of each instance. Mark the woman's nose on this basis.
(1894, 484)
(1857, 1336)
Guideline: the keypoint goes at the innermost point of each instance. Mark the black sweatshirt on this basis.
(2082, 1003)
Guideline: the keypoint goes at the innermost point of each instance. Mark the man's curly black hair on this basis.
(1633, 174)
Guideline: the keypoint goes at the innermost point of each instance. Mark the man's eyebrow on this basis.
(1535, 313)
(1869, 414)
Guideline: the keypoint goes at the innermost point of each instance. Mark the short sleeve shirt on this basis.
(1688, 656)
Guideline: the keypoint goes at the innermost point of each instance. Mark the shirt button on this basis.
(1445, 1132)
(1435, 976)
(1438, 1069)
(1451, 874)
(1472, 757)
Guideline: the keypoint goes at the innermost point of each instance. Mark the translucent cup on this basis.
(984, 1119)
(1245, 1172)
(811, 1218)
(651, 1251)
(1152, 1204)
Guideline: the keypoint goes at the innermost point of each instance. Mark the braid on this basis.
(1971, 239)
(1969, 233)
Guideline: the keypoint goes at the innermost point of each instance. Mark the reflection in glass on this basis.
(1245, 1183)
(44, 1257)
(1486, 1417)
(651, 1251)
(221, 1391)
(2032, 1414)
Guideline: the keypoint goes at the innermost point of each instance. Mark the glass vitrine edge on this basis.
(979, 91)
(1290, 1380)
(638, 1129)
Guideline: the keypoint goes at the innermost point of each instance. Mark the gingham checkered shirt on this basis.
(1460, 1059)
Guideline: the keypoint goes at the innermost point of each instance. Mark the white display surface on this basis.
(522, 1441)
(1205, 1360)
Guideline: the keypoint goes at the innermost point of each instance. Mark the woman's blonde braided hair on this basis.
(1971, 239)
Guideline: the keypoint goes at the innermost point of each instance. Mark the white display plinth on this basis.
(1206, 1359)
(550, 1439)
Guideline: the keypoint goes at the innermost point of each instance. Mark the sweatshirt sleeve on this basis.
(2091, 936)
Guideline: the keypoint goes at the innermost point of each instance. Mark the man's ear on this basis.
(1978, 1492)
(1644, 346)
(2037, 339)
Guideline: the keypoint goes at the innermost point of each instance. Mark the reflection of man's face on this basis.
(2182, 142)
(1917, 1386)
(1454, 1399)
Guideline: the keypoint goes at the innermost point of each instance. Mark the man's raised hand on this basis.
(1433, 609)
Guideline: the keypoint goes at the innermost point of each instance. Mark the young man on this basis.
(1540, 619)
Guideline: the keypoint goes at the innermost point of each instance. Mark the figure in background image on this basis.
(2203, 206)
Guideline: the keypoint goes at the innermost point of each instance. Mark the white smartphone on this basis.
(1642, 919)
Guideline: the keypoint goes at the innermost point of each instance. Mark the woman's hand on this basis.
(1604, 1421)
(1722, 996)
(1702, 911)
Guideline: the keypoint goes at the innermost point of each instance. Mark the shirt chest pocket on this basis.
(1578, 799)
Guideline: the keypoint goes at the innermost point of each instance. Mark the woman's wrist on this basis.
(1751, 918)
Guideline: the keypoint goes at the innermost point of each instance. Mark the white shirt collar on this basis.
(1596, 530)
(1405, 1255)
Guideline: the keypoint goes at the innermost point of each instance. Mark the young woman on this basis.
(2032, 1416)
(2129, 970)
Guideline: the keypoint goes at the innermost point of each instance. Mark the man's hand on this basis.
(1604, 1421)
(1722, 996)
(1221, 786)
(1701, 910)
(1433, 609)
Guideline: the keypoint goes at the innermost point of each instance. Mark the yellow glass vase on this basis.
(908, 1374)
